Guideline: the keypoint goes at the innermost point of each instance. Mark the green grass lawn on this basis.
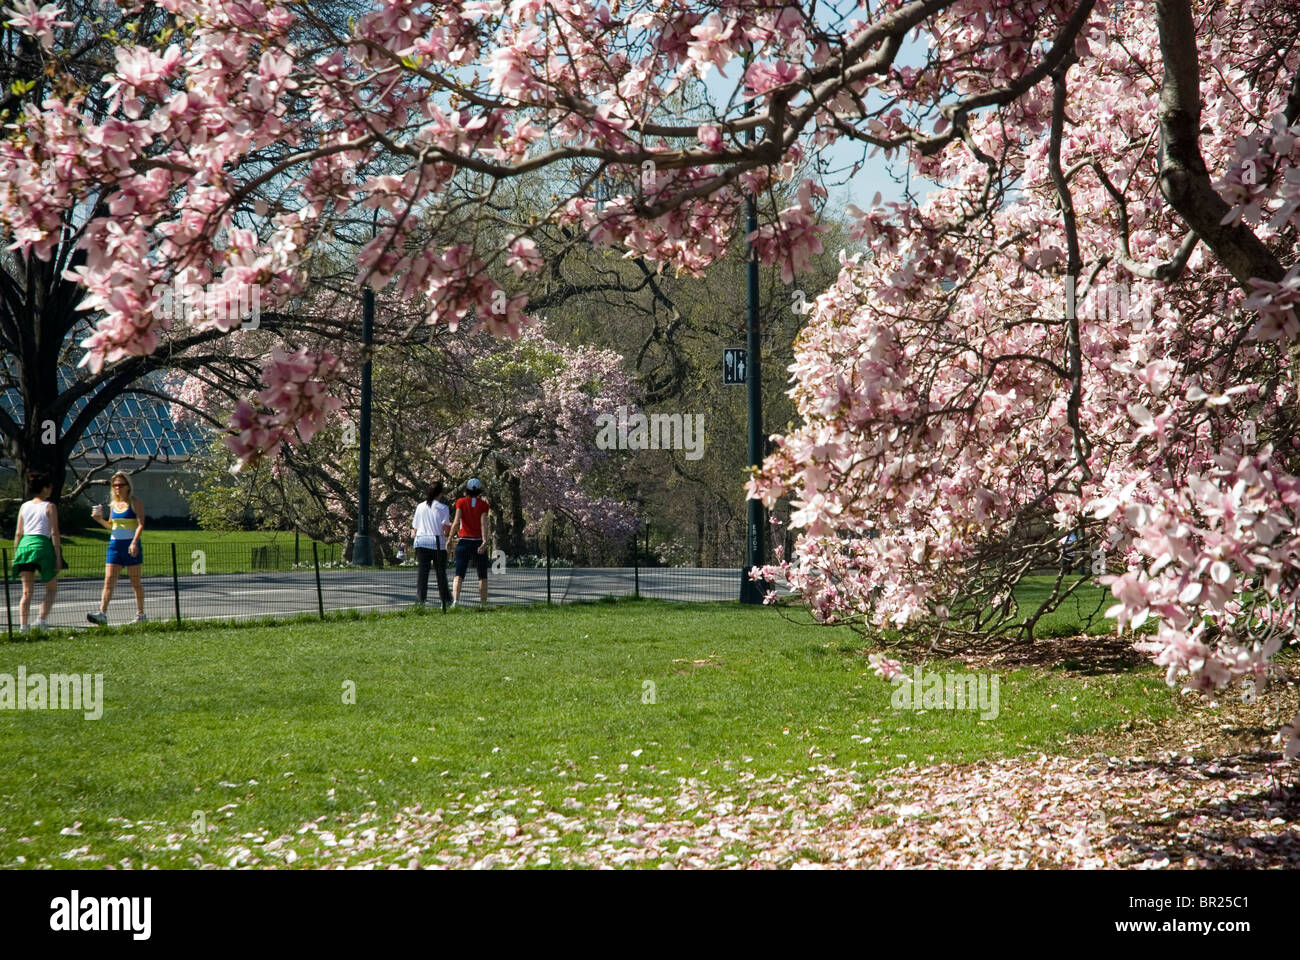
(250, 726)
(1080, 613)
(235, 552)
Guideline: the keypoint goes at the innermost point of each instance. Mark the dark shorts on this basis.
(467, 551)
(119, 553)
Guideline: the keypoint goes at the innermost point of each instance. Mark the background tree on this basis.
(520, 415)
(674, 331)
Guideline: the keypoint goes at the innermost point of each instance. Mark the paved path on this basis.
(244, 595)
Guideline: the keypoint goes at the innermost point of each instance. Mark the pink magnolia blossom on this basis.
(884, 667)
(1290, 738)
(524, 256)
(38, 22)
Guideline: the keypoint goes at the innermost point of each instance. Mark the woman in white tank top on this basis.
(37, 549)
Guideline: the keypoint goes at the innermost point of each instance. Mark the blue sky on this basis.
(874, 175)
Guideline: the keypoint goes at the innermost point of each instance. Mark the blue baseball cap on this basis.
(474, 484)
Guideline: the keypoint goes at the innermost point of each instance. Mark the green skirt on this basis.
(36, 552)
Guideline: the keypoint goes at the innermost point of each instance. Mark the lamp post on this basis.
(750, 590)
(362, 552)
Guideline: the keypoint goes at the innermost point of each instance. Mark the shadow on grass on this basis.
(1085, 655)
(1245, 832)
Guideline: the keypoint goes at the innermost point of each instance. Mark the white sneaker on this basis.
(40, 625)
(99, 618)
(23, 629)
(140, 618)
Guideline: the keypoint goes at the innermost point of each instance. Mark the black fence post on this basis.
(315, 559)
(176, 586)
(636, 567)
(9, 613)
(295, 548)
(548, 573)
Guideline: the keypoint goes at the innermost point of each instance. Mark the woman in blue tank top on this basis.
(125, 523)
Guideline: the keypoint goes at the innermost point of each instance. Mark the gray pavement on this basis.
(285, 593)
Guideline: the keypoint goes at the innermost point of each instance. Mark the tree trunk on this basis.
(32, 456)
(515, 545)
(510, 515)
(1184, 179)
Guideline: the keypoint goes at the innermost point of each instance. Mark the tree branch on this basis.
(1184, 178)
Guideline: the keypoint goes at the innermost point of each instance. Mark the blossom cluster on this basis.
(297, 399)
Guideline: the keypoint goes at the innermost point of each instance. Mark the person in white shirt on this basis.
(429, 536)
(38, 549)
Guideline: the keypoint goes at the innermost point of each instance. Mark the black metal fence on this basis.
(222, 580)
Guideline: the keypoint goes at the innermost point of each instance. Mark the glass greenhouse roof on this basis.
(132, 426)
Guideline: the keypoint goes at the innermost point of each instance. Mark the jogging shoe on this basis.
(98, 618)
(40, 626)
(140, 618)
(24, 629)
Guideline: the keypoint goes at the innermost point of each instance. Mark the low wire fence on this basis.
(219, 580)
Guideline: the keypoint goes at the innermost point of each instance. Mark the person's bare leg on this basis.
(138, 586)
(51, 589)
(111, 572)
(482, 592)
(455, 591)
(25, 604)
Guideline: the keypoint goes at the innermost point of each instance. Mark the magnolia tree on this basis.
(1081, 345)
(520, 415)
(967, 399)
(211, 188)
(52, 64)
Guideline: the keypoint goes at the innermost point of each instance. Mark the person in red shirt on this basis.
(473, 525)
